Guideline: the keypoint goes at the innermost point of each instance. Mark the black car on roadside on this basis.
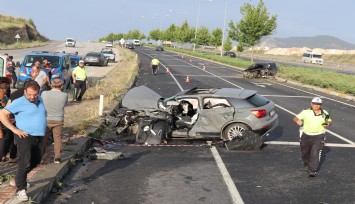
(159, 48)
(130, 46)
(95, 58)
(230, 54)
(261, 70)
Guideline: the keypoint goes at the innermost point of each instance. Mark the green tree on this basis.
(216, 39)
(133, 34)
(255, 24)
(227, 46)
(155, 34)
(171, 33)
(203, 36)
(185, 34)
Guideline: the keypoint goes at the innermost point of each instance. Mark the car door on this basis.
(2, 66)
(212, 117)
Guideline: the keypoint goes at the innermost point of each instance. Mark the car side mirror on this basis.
(17, 64)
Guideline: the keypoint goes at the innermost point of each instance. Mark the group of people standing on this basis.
(30, 116)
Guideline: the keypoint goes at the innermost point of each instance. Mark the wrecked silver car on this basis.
(261, 70)
(239, 117)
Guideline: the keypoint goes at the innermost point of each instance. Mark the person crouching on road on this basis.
(30, 116)
(314, 121)
(154, 64)
(54, 102)
(79, 79)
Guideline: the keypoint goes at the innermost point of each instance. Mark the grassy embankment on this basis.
(331, 80)
(79, 116)
(10, 23)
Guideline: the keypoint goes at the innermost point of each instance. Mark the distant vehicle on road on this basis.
(230, 54)
(70, 42)
(239, 117)
(130, 46)
(109, 44)
(311, 57)
(136, 42)
(159, 48)
(95, 58)
(261, 70)
(109, 54)
(60, 64)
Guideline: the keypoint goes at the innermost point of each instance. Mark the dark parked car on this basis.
(230, 54)
(130, 46)
(261, 70)
(159, 48)
(95, 58)
(237, 116)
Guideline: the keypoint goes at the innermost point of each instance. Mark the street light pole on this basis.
(198, 16)
(224, 27)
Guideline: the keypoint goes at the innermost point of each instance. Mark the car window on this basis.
(31, 59)
(209, 103)
(258, 100)
(193, 101)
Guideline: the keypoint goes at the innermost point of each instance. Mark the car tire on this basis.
(238, 136)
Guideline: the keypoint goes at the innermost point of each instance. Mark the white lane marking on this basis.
(297, 144)
(285, 96)
(331, 99)
(331, 132)
(234, 193)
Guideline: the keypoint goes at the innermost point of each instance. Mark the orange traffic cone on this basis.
(187, 79)
(190, 60)
(167, 71)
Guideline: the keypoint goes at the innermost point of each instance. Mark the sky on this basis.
(88, 20)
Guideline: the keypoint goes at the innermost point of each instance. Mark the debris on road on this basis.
(100, 153)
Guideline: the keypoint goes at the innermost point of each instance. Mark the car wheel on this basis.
(238, 136)
(145, 129)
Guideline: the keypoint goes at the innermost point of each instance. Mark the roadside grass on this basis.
(21, 45)
(316, 77)
(80, 116)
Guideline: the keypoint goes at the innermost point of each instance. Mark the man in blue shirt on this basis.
(30, 116)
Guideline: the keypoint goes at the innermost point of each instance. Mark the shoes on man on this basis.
(312, 174)
(305, 166)
(57, 160)
(21, 195)
(13, 183)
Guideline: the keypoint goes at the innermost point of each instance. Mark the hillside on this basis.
(320, 41)
(10, 27)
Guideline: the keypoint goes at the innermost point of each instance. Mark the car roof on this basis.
(220, 92)
(46, 53)
(75, 57)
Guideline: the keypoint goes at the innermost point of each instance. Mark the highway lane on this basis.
(290, 100)
(190, 174)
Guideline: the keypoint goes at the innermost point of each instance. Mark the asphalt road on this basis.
(193, 174)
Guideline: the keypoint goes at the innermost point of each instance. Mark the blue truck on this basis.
(60, 64)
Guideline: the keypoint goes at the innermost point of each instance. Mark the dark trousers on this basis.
(79, 85)
(7, 144)
(311, 147)
(154, 68)
(14, 79)
(29, 156)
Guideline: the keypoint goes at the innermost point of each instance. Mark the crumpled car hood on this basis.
(141, 98)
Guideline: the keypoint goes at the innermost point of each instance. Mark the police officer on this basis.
(314, 121)
(154, 64)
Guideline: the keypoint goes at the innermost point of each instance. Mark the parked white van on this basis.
(311, 57)
(70, 42)
(136, 42)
